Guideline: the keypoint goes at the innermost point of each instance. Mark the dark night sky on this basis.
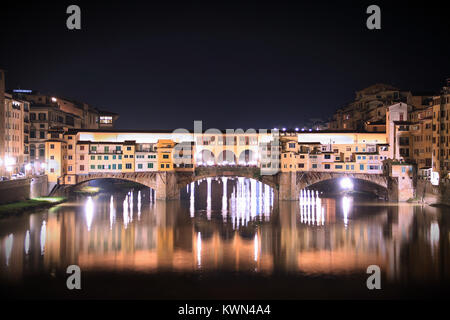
(161, 66)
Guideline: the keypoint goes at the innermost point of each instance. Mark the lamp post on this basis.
(9, 164)
(27, 169)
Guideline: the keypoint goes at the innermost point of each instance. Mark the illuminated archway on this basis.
(248, 157)
(226, 157)
(206, 157)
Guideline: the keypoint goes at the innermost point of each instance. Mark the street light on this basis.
(9, 161)
(346, 183)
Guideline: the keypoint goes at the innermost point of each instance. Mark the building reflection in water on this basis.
(229, 224)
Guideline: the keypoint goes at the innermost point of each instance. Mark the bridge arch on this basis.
(147, 179)
(306, 180)
(206, 157)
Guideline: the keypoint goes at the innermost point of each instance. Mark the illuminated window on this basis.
(106, 120)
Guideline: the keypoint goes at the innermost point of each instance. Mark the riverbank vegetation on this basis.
(30, 204)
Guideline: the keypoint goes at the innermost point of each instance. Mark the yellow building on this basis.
(55, 155)
(164, 149)
(334, 151)
(128, 156)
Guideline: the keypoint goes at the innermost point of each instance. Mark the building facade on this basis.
(28, 119)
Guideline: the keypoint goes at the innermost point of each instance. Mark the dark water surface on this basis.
(234, 244)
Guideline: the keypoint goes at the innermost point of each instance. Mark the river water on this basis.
(225, 236)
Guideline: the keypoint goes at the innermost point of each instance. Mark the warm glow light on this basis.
(10, 161)
(346, 183)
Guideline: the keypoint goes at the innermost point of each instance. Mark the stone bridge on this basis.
(286, 185)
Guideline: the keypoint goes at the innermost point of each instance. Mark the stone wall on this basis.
(430, 194)
(22, 189)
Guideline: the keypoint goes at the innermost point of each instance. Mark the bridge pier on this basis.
(288, 186)
(166, 186)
